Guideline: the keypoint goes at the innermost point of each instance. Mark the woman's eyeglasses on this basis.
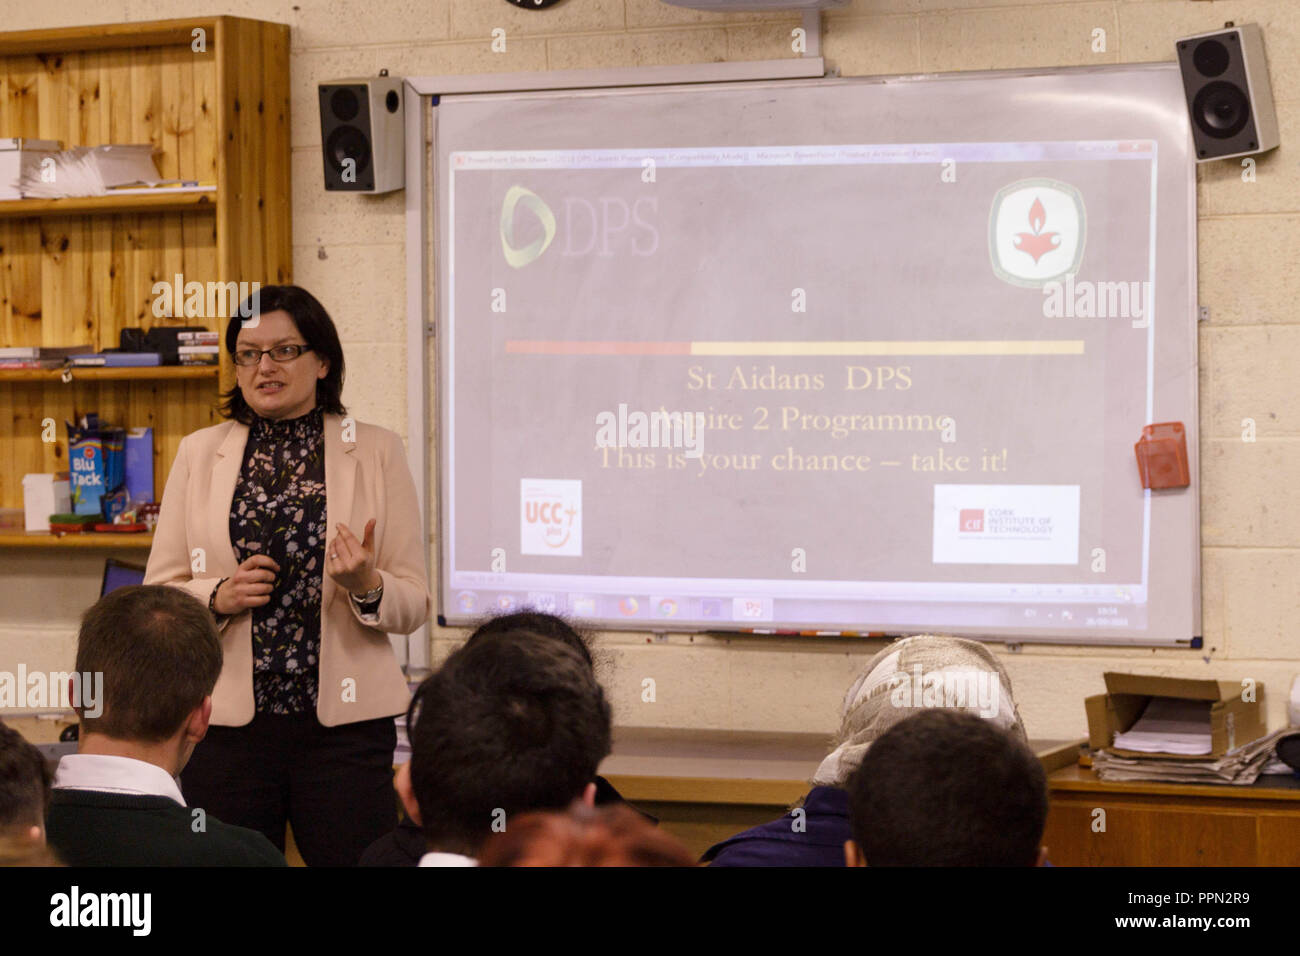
(281, 353)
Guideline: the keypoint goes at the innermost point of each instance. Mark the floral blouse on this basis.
(279, 510)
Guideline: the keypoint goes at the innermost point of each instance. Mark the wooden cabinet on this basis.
(212, 96)
(1148, 823)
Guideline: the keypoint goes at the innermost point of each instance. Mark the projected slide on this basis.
(824, 388)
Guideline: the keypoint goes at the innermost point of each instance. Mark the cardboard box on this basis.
(45, 495)
(1233, 722)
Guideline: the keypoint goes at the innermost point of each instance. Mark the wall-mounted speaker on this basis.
(1229, 98)
(362, 134)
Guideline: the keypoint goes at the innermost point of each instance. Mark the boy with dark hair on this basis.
(946, 788)
(509, 723)
(116, 801)
(405, 846)
(24, 788)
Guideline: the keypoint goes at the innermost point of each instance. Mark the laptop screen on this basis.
(118, 574)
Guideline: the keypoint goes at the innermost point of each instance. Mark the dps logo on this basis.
(1037, 229)
(600, 226)
(550, 516)
(515, 197)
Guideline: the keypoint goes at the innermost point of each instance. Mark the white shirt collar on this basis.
(447, 859)
(109, 774)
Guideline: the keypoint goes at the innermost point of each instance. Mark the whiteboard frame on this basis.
(421, 255)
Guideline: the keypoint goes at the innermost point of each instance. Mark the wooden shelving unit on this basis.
(212, 96)
(163, 201)
(84, 539)
(90, 373)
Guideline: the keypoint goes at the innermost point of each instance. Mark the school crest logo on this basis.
(1037, 229)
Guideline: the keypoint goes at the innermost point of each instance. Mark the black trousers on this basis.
(333, 785)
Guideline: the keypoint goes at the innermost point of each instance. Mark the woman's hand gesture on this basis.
(351, 563)
(250, 587)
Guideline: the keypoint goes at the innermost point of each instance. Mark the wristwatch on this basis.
(370, 597)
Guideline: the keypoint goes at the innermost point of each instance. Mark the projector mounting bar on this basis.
(804, 67)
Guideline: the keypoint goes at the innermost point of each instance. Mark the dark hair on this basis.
(24, 782)
(947, 788)
(511, 722)
(314, 325)
(158, 650)
(535, 622)
(584, 836)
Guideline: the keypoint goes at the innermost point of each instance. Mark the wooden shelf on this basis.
(211, 95)
(107, 36)
(165, 200)
(84, 539)
(99, 374)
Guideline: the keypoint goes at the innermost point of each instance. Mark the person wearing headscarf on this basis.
(915, 672)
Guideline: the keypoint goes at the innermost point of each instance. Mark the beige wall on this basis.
(349, 251)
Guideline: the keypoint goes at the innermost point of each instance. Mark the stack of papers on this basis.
(1170, 725)
(1241, 766)
(18, 156)
(90, 171)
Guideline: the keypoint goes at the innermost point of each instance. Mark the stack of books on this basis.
(198, 348)
(34, 356)
(116, 359)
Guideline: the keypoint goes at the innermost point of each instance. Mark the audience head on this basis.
(911, 674)
(512, 722)
(159, 654)
(24, 790)
(535, 622)
(584, 836)
(946, 788)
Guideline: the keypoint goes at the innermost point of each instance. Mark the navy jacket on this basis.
(94, 828)
(825, 829)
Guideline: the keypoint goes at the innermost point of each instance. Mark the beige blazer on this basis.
(366, 478)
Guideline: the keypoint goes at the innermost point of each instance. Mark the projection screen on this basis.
(834, 356)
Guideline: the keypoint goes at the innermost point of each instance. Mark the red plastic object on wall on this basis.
(1162, 456)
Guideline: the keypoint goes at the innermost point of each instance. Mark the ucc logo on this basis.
(550, 516)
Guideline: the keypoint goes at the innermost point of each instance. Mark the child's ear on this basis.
(1042, 856)
(402, 784)
(853, 854)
